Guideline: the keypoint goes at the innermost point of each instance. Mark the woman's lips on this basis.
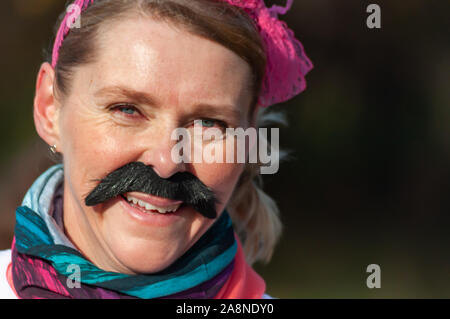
(152, 217)
(153, 200)
(147, 207)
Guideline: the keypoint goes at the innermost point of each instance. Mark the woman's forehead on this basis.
(152, 56)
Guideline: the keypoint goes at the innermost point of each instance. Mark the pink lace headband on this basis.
(287, 63)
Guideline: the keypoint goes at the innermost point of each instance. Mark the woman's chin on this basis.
(147, 244)
(142, 256)
(141, 263)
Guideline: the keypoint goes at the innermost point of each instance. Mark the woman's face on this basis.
(149, 78)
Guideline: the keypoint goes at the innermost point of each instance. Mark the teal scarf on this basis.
(43, 256)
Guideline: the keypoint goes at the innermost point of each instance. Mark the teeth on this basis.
(150, 207)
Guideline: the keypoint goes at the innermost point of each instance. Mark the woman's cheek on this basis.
(91, 149)
(217, 174)
(220, 177)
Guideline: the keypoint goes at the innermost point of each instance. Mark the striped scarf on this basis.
(44, 260)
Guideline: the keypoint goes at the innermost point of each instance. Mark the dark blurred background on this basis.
(369, 182)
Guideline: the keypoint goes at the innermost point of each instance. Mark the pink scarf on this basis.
(244, 282)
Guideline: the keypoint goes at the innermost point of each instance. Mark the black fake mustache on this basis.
(138, 177)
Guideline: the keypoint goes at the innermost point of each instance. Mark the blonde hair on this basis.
(255, 214)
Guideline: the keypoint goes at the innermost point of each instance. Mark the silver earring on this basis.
(53, 149)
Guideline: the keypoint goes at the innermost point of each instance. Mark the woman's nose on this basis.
(159, 156)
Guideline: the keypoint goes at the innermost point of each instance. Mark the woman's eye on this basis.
(209, 123)
(127, 110)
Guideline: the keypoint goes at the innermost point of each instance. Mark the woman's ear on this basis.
(46, 108)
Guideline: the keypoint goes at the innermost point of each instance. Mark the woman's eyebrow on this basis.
(123, 92)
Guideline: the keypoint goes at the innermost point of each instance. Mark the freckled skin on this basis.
(181, 70)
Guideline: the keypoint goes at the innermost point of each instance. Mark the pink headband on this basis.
(287, 63)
